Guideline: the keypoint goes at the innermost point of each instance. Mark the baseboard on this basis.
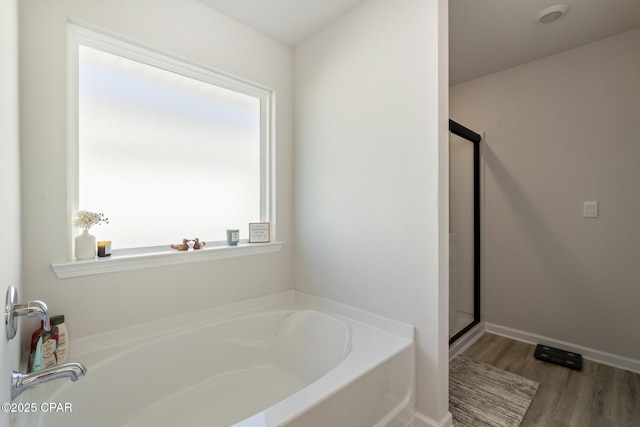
(423, 421)
(465, 341)
(588, 353)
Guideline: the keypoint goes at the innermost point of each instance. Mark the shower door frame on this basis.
(465, 133)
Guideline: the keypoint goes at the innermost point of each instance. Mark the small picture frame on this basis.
(259, 232)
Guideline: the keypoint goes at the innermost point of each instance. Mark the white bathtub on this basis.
(287, 359)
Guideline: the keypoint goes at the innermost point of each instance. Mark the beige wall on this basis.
(370, 162)
(561, 131)
(188, 29)
(9, 186)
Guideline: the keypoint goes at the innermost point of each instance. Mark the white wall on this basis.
(9, 187)
(370, 163)
(371, 168)
(560, 131)
(187, 29)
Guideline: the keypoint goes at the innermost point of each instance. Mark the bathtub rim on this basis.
(158, 329)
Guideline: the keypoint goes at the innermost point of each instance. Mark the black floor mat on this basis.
(559, 357)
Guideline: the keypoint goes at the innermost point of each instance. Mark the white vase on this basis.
(85, 245)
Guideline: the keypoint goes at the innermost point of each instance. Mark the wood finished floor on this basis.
(596, 396)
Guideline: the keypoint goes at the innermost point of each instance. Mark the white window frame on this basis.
(126, 259)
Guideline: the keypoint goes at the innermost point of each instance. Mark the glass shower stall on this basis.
(464, 230)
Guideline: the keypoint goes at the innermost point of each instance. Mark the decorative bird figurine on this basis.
(188, 244)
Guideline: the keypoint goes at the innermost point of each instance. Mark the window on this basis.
(166, 149)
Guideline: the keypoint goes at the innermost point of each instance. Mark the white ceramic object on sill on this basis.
(85, 245)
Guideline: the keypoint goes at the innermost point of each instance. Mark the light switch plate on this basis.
(591, 209)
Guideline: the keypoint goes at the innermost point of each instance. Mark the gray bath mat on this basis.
(485, 396)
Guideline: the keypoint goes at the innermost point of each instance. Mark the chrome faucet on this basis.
(34, 308)
(21, 382)
(12, 309)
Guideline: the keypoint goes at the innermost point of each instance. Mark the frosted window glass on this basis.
(162, 155)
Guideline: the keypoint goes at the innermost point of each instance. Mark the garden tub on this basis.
(286, 359)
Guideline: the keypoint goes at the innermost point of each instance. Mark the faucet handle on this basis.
(12, 309)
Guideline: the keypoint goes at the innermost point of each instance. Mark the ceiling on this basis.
(485, 36)
(289, 21)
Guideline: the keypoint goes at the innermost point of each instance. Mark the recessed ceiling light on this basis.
(552, 13)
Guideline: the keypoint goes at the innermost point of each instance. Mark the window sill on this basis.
(123, 261)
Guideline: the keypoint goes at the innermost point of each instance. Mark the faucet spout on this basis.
(21, 382)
